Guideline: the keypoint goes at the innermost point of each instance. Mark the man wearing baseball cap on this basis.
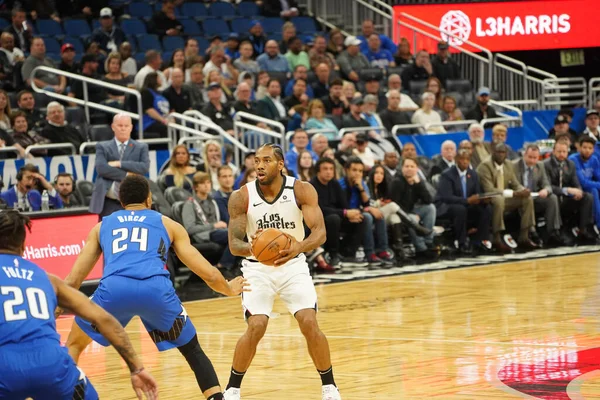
(592, 120)
(67, 57)
(108, 36)
(444, 67)
(89, 69)
(482, 110)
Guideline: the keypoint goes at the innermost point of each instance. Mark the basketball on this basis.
(268, 244)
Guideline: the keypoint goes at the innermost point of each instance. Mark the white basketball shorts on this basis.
(292, 282)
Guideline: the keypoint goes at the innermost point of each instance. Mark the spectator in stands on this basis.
(108, 36)
(64, 183)
(89, 69)
(351, 60)
(480, 151)
(444, 67)
(592, 121)
(295, 55)
(288, 31)
(25, 194)
(179, 173)
(22, 36)
(434, 86)
(410, 192)
(318, 120)
(177, 95)
(421, 70)
(164, 21)
(499, 133)
(373, 86)
(60, 131)
(26, 102)
(426, 115)
(530, 173)
(335, 45)
(191, 51)
(202, 220)
(271, 60)
(232, 48)
(156, 107)
(243, 102)
(458, 198)
(129, 65)
(23, 137)
(216, 110)
(336, 103)
(279, 8)
(67, 60)
(300, 72)
(305, 166)
(338, 216)
(354, 119)
(368, 29)
(221, 196)
(349, 91)
(588, 171)
(5, 111)
(214, 41)
(45, 80)
(215, 76)
(196, 86)
(562, 174)
(406, 103)
(446, 161)
(345, 148)
(321, 86)
(330, 153)
(153, 64)
(482, 110)
(223, 64)
(393, 114)
(114, 75)
(319, 143)
(271, 106)
(116, 158)
(298, 95)
(248, 176)
(319, 55)
(7, 46)
(300, 141)
(390, 163)
(262, 81)
(561, 127)
(257, 38)
(212, 159)
(369, 112)
(403, 56)
(497, 176)
(177, 61)
(467, 146)
(378, 57)
(363, 152)
(246, 62)
(248, 164)
(450, 112)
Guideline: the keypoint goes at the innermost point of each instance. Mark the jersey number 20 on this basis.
(36, 300)
(138, 235)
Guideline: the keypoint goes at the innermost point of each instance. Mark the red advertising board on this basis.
(519, 25)
(55, 243)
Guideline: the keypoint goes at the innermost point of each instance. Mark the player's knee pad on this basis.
(200, 364)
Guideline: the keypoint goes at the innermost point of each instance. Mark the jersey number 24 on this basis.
(124, 237)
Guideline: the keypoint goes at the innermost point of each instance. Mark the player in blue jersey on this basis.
(33, 364)
(135, 242)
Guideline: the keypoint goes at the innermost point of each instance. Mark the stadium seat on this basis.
(194, 10)
(417, 87)
(161, 181)
(148, 42)
(176, 209)
(190, 27)
(140, 59)
(171, 43)
(41, 101)
(77, 27)
(75, 115)
(305, 25)
(396, 70)
(95, 24)
(85, 189)
(215, 27)
(203, 44)
(133, 27)
(166, 55)
(222, 9)
(52, 45)
(282, 77)
(458, 85)
(370, 73)
(272, 25)
(140, 10)
(248, 9)
(460, 100)
(159, 203)
(76, 42)
(174, 194)
(133, 42)
(4, 24)
(241, 25)
(99, 133)
(49, 27)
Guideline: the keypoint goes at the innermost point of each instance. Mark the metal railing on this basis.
(50, 146)
(85, 101)
(593, 91)
(343, 131)
(501, 120)
(559, 92)
(311, 132)
(406, 127)
(445, 124)
(169, 142)
(10, 149)
(240, 126)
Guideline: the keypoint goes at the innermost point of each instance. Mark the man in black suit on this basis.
(458, 198)
(562, 175)
(447, 159)
(482, 110)
(22, 36)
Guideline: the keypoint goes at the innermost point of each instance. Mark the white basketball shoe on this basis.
(330, 392)
(234, 394)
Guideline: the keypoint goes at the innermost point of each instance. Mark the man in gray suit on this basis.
(530, 173)
(115, 159)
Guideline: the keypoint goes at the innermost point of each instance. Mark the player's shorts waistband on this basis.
(255, 261)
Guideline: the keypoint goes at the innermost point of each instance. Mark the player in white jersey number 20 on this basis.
(276, 201)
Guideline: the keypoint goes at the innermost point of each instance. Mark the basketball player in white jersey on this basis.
(284, 203)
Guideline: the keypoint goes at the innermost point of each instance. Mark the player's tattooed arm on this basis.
(238, 206)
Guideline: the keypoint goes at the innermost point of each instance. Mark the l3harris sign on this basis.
(505, 26)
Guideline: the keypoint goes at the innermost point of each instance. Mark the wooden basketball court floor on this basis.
(505, 331)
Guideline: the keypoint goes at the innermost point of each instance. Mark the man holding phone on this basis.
(25, 193)
(18, 28)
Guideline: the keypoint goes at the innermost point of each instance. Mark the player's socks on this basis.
(201, 365)
(216, 396)
(235, 379)
(327, 376)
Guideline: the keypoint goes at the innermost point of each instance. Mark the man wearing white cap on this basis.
(108, 36)
(352, 60)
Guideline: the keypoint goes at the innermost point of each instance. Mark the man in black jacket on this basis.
(458, 199)
(59, 131)
(22, 36)
(407, 190)
(482, 110)
(164, 22)
(338, 218)
(108, 36)
(421, 70)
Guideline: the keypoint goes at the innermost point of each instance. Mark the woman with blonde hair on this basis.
(215, 76)
(288, 31)
(434, 86)
(4, 111)
(212, 155)
(113, 66)
(317, 119)
(180, 173)
(349, 90)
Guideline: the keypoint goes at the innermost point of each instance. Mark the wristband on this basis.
(137, 371)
